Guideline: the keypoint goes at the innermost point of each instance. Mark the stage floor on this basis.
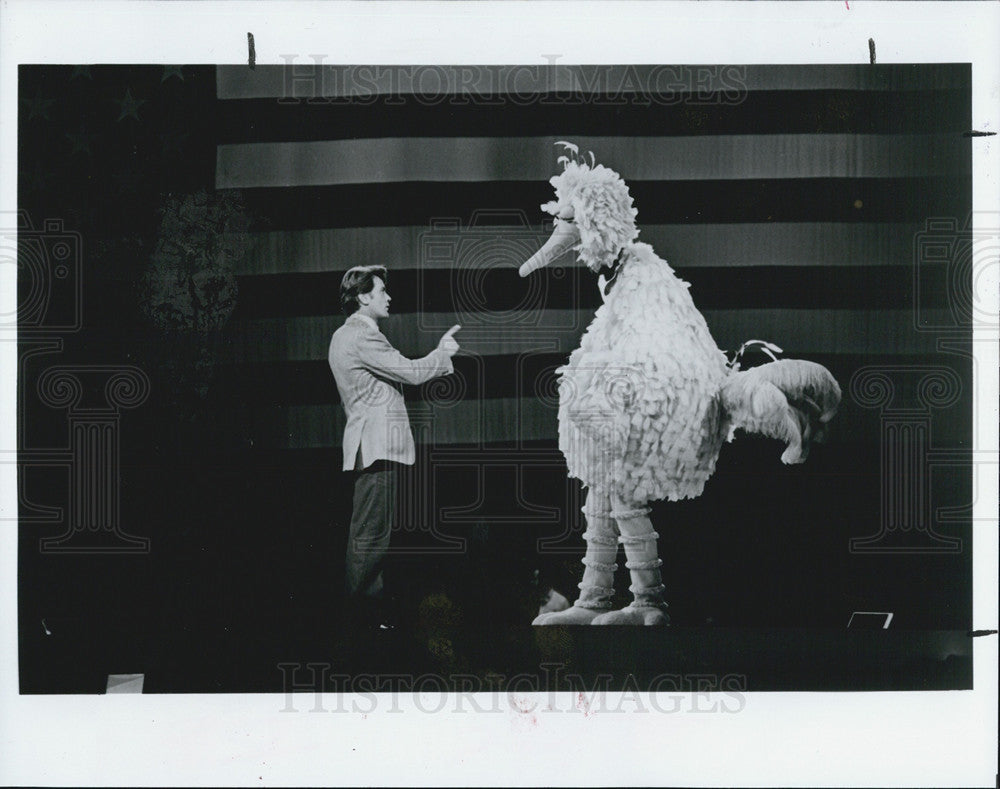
(439, 651)
(245, 576)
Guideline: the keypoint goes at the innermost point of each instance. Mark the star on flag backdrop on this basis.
(790, 197)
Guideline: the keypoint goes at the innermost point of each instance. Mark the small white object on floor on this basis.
(554, 602)
(125, 683)
(862, 614)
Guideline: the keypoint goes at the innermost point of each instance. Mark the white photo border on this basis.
(883, 739)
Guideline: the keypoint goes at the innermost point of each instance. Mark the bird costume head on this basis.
(593, 211)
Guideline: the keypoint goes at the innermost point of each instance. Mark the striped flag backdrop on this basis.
(789, 197)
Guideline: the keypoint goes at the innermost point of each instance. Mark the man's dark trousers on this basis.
(372, 520)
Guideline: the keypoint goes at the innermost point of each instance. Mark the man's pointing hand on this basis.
(448, 344)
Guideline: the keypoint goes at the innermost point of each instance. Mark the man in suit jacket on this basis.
(377, 437)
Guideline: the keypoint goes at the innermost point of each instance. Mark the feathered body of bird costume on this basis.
(648, 399)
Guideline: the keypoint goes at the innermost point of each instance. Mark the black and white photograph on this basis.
(430, 392)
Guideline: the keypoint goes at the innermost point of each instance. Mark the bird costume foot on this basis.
(635, 615)
(597, 586)
(643, 563)
(574, 615)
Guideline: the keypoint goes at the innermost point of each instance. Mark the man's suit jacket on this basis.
(366, 368)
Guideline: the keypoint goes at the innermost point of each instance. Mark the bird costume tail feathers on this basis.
(790, 400)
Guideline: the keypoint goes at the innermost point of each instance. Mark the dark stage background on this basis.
(211, 212)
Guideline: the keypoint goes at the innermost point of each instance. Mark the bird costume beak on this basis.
(565, 236)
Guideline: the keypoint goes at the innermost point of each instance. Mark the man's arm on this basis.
(378, 356)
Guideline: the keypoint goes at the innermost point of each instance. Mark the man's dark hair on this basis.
(358, 280)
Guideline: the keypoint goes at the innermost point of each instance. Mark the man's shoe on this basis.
(373, 614)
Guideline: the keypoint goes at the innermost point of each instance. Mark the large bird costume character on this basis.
(648, 399)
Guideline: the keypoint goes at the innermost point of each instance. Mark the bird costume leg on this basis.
(597, 586)
(643, 563)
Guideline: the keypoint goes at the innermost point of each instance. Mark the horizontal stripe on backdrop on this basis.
(490, 159)
(498, 289)
(568, 115)
(794, 199)
(529, 375)
(512, 451)
(687, 246)
(799, 331)
(491, 421)
(894, 200)
(467, 422)
(304, 77)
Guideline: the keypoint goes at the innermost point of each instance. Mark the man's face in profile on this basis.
(378, 300)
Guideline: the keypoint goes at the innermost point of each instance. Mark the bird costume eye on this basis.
(593, 202)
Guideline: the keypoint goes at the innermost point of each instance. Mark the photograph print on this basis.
(539, 377)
